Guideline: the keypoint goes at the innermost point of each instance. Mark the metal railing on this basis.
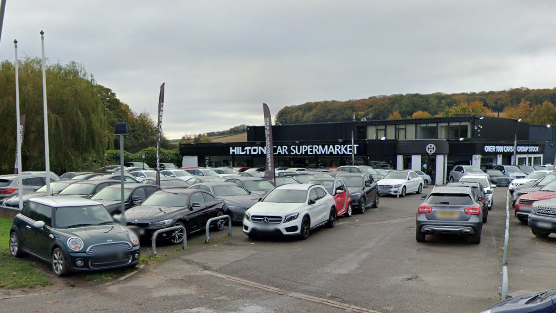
(155, 234)
(504, 287)
(207, 238)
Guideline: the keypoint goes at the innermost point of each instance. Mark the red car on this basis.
(524, 204)
(337, 188)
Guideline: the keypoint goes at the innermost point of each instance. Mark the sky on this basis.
(222, 59)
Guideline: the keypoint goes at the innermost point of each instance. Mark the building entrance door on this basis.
(428, 166)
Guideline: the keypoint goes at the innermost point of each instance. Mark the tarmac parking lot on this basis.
(367, 263)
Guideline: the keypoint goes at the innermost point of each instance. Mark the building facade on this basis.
(433, 145)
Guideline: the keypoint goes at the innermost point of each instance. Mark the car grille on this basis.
(385, 186)
(526, 201)
(260, 219)
(107, 248)
(142, 225)
(545, 211)
(98, 263)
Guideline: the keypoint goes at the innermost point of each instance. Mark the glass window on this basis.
(320, 192)
(139, 193)
(400, 133)
(313, 195)
(197, 198)
(232, 190)
(44, 213)
(286, 196)
(67, 217)
(167, 199)
(208, 197)
(29, 209)
(380, 133)
(427, 131)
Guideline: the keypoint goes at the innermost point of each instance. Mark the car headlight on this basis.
(161, 224)
(133, 238)
(290, 217)
(397, 185)
(355, 194)
(75, 243)
(247, 216)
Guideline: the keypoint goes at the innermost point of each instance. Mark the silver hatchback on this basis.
(449, 210)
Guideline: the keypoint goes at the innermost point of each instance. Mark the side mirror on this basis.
(367, 184)
(136, 200)
(195, 205)
(423, 197)
(489, 192)
(339, 192)
(117, 218)
(492, 186)
(38, 224)
(311, 201)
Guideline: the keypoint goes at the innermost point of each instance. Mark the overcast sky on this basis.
(222, 59)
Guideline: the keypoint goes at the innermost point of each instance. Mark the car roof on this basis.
(180, 190)
(342, 174)
(64, 201)
(465, 184)
(449, 189)
(243, 178)
(95, 182)
(296, 186)
(325, 179)
(217, 183)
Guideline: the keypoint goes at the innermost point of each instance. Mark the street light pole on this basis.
(515, 142)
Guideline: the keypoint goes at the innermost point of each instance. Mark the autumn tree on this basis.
(421, 114)
(543, 114)
(395, 116)
(523, 111)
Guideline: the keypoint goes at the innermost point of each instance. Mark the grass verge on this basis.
(16, 273)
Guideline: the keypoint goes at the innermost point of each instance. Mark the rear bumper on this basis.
(451, 227)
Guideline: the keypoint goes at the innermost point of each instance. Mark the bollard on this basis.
(155, 234)
(207, 238)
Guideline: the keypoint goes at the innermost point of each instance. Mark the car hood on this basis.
(518, 303)
(98, 234)
(242, 201)
(522, 181)
(539, 195)
(353, 190)
(392, 181)
(272, 208)
(151, 213)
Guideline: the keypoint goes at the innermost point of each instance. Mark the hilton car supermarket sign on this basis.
(510, 149)
(298, 150)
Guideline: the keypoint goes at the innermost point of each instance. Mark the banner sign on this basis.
(510, 149)
(159, 138)
(269, 170)
(21, 132)
(298, 150)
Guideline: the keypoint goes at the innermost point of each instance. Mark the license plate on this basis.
(544, 225)
(447, 214)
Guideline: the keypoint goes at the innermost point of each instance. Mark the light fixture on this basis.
(548, 125)
(461, 138)
(482, 117)
(519, 120)
(382, 138)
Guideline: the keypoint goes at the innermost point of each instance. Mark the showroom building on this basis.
(433, 145)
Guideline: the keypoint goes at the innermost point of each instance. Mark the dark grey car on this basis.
(542, 219)
(134, 194)
(449, 210)
(238, 200)
(255, 185)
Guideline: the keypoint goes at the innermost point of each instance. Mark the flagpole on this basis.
(46, 146)
(18, 143)
(2, 10)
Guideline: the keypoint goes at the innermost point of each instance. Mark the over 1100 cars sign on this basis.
(298, 150)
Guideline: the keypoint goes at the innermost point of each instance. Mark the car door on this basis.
(136, 198)
(26, 233)
(415, 181)
(324, 206)
(194, 214)
(212, 207)
(340, 195)
(314, 212)
(457, 172)
(41, 240)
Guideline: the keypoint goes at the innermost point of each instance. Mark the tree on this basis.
(543, 114)
(421, 114)
(523, 111)
(395, 116)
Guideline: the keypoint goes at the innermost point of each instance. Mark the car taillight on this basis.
(472, 210)
(424, 209)
(8, 190)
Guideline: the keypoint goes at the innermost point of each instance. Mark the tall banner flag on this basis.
(352, 150)
(515, 150)
(21, 132)
(159, 138)
(269, 168)
(18, 128)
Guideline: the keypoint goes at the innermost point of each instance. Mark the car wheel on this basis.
(523, 221)
(475, 239)
(15, 247)
(176, 236)
(220, 223)
(420, 189)
(349, 211)
(59, 265)
(331, 218)
(305, 228)
(452, 179)
(375, 203)
(402, 194)
(362, 205)
(419, 236)
(539, 233)
(485, 216)
(426, 184)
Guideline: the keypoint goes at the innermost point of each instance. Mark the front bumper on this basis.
(389, 190)
(101, 262)
(290, 228)
(544, 222)
(522, 211)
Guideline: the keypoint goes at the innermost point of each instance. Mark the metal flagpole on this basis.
(17, 113)
(2, 10)
(46, 147)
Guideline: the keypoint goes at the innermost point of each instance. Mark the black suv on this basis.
(363, 190)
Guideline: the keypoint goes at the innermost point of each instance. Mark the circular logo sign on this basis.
(431, 148)
(265, 220)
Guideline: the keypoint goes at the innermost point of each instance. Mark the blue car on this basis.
(539, 302)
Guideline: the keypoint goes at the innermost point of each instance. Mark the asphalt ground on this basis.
(367, 263)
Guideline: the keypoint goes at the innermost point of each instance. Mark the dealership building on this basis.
(433, 145)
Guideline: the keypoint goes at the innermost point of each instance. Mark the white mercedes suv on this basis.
(292, 209)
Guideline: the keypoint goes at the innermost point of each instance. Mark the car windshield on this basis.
(111, 194)
(473, 170)
(286, 196)
(167, 199)
(328, 185)
(55, 187)
(258, 185)
(549, 187)
(369, 170)
(495, 173)
(353, 181)
(303, 178)
(396, 175)
(149, 174)
(209, 172)
(285, 180)
(69, 217)
(546, 180)
(513, 169)
(481, 180)
(78, 189)
(536, 175)
(181, 173)
(449, 199)
(222, 191)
